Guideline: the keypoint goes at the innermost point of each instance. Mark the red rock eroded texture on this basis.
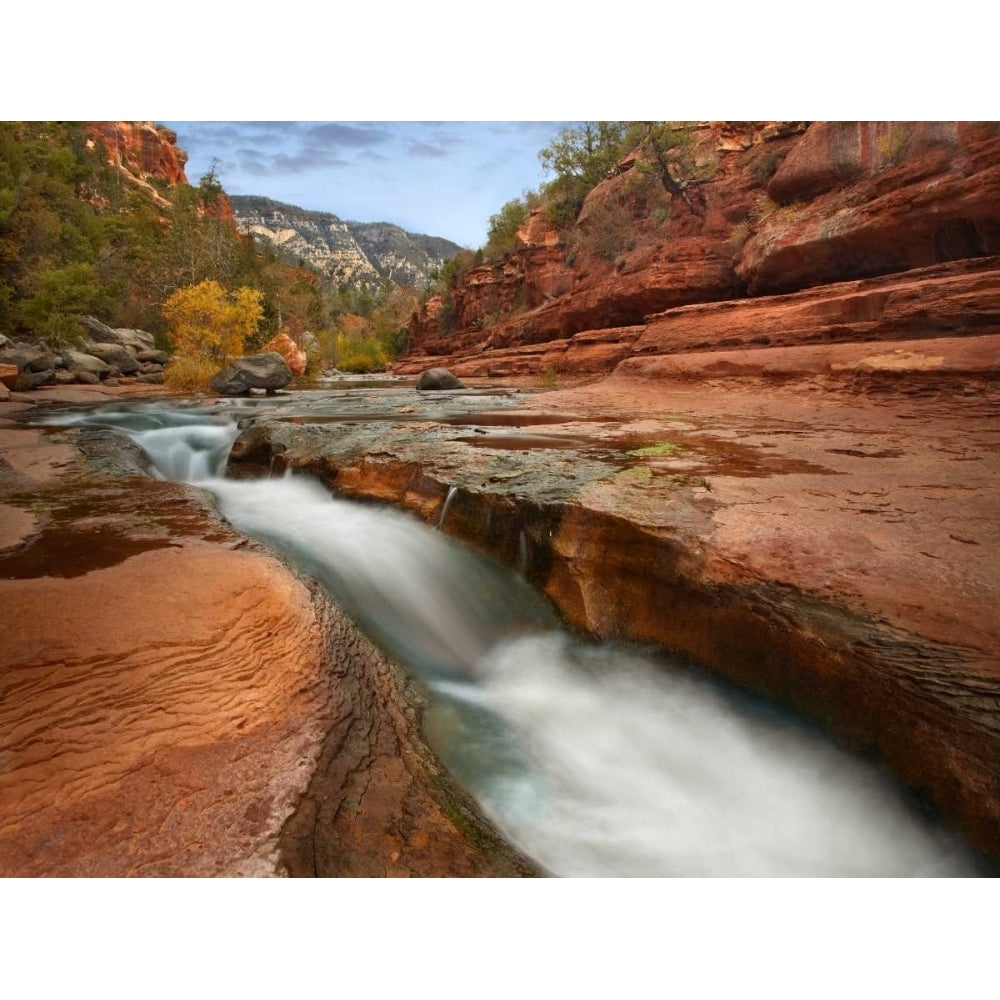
(166, 737)
(144, 148)
(907, 211)
(857, 204)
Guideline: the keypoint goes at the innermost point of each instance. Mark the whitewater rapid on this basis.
(594, 759)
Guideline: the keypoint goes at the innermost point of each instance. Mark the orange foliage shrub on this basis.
(208, 321)
(294, 356)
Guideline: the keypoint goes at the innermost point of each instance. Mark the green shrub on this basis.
(580, 157)
(500, 241)
(59, 329)
(447, 316)
(359, 354)
(548, 379)
(738, 235)
(893, 144)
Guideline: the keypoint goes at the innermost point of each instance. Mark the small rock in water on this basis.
(438, 378)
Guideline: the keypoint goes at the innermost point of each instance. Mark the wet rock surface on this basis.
(833, 550)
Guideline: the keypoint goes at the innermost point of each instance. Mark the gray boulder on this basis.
(138, 340)
(438, 378)
(153, 357)
(77, 362)
(114, 354)
(87, 378)
(24, 357)
(32, 380)
(43, 363)
(64, 377)
(101, 333)
(258, 371)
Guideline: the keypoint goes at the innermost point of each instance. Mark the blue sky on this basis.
(440, 178)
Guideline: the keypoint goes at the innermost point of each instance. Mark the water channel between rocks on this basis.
(594, 759)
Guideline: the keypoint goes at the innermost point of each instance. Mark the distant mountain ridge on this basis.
(353, 253)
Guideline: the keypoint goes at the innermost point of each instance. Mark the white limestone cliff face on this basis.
(347, 252)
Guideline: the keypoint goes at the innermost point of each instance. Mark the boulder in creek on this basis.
(267, 371)
(114, 354)
(438, 378)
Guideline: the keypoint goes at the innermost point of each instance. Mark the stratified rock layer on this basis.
(165, 737)
(882, 230)
(351, 252)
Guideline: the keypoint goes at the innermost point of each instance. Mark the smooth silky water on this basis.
(594, 759)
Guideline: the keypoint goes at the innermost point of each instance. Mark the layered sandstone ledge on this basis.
(832, 233)
(174, 701)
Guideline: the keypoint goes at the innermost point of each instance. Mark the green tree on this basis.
(390, 318)
(500, 240)
(580, 157)
(668, 151)
(62, 296)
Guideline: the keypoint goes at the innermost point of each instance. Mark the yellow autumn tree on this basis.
(211, 323)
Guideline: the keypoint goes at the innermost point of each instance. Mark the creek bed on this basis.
(593, 759)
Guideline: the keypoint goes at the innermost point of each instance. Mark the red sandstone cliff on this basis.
(145, 149)
(782, 207)
(145, 152)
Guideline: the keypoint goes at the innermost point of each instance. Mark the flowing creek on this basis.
(594, 759)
